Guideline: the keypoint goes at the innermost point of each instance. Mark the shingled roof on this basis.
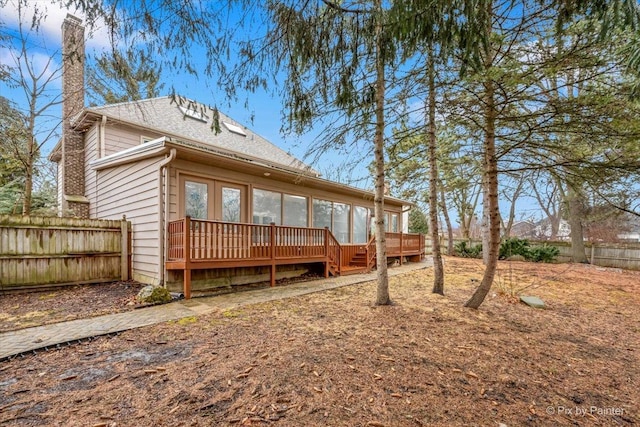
(184, 118)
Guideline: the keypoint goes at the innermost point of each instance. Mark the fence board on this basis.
(51, 251)
(626, 256)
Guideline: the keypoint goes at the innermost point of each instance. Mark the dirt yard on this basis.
(332, 359)
(24, 310)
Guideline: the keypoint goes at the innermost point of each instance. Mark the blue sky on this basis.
(262, 113)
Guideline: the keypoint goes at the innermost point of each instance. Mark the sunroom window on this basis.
(267, 207)
(322, 213)
(360, 224)
(295, 211)
(341, 223)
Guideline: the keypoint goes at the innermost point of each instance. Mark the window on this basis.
(394, 223)
(336, 216)
(341, 221)
(295, 211)
(195, 202)
(234, 128)
(360, 224)
(322, 213)
(190, 112)
(267, 207)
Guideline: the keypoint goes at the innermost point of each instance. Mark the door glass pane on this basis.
(341, 215)
(295, 211)
(360, 224)
(231, 198)
(321, 214)
(267, 207)
(195, 200)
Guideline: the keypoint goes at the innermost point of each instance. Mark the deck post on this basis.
(366, 260)
(272, 270)
(186, 250)
(401, 247)
(326, 252)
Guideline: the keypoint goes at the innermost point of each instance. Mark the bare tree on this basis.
(34, 78)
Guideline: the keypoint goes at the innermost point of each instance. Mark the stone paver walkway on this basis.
(24, 340)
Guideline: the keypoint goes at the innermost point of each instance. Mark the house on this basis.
(543, 230)
(211, 202)
(523, 229)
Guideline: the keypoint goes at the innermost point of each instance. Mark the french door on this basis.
(213, 199)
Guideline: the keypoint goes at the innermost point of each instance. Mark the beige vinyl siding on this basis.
(173, 196)
(118, 138)
(132, 190)
(90, 153)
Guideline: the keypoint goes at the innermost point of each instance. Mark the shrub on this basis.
(544, 253)
(465, 251)
(514, 246)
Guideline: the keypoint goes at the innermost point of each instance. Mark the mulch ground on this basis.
(27, 309)
(332, 358)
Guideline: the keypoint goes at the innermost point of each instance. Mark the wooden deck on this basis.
(215, 244)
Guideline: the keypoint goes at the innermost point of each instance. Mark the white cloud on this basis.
(53, 15)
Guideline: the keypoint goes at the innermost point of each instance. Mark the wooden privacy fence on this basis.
(48, 251)
(616, 255)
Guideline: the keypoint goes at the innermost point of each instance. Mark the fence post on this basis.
(124, 249)
(593, 255)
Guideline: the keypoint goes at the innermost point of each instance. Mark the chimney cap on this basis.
(71, 19)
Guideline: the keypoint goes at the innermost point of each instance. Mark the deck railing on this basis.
(225, 241)
(199, 244)
(399, 244)
(216, 240)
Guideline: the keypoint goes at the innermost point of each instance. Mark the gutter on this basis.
(163, 210)
(135, 153)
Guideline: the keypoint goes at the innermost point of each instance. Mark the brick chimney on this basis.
(74, 201)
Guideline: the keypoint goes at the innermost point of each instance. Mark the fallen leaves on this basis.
(346, 363)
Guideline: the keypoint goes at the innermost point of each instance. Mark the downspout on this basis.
(102, 145)
(163, 210)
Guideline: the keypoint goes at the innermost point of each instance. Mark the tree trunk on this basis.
(576, 211)
(28, 189)
(555, 226)
(382, 297)
(512, 209)
(485, 216)
(447, 220)
(438, 270)
(464, 230)
(32, 151)
(490, 179)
